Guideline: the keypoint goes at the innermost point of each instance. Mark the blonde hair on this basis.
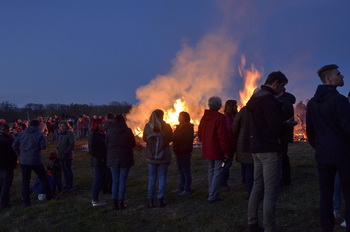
(156, 119)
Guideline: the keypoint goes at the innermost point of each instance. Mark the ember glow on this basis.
(250, 76)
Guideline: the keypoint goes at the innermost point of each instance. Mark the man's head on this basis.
(277, 81)
(214, 103)
(330, 75)
(34, 123)
(4, 129)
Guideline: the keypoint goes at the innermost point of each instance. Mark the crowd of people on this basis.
(257, 137)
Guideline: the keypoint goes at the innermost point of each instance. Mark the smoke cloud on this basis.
(197, 74)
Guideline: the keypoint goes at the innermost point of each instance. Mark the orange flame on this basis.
(171, 115)
(250, 76)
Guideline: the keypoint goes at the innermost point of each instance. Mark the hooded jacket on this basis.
(183, 139)
(328, 125)
(28, 145)
(238, 131)
(263, 123)
(65, 145)
(120, 142)
(167, 134)
(97, 149)
(213, 133)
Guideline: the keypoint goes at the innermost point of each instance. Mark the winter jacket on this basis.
(8, 157)
(167, 134)
(213, 133)
(328, 125)
(54, 166)
(287, 100)
(28, 145)
(97, 149)
(65, 145)
(120, 142)
(263, 127)
(183, 139)
(238, 131)
(232, 138)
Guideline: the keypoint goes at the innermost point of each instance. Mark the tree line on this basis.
(11, 112)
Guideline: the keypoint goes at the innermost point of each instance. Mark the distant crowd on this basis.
(257, 137)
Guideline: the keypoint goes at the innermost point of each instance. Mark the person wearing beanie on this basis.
(54, 167)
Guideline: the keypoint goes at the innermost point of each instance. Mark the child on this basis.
(54, 167)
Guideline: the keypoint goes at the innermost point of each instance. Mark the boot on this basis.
(122, 204)
(162, 203)
(151, 203)
(116, 205)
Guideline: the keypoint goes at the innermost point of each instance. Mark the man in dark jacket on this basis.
(213, 133)
(262, 138)
(328, 131)
(287, 100)
(28, 145)
(8, 161)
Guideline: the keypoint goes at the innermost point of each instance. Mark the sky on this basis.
(97, 52)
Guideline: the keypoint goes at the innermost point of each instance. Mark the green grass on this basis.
(297, 207)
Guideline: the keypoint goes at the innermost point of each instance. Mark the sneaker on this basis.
(184, 194)
(343, 224)
(98, 203)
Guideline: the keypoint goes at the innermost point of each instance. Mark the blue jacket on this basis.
(328, 125)
(28, 145)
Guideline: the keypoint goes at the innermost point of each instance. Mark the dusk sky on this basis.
(89, 51)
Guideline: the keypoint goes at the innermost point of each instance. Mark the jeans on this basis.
(99, 177)
(26, 175)
(154, 171)
(337, 194)
(226, 172)
(215, 174)
(184, 168)
(247, 171)
(6, 177)
(119, 176)
(327, 174)
(67, 173)
(267, 176)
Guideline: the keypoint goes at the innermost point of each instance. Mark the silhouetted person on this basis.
(328, 131)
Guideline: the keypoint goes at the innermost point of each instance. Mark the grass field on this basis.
(297, 207)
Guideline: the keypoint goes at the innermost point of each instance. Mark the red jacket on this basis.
(213, 134)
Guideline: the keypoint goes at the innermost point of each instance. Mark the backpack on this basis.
(155, 146)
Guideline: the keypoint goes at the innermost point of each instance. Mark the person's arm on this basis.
(224, 137)
(310, 131)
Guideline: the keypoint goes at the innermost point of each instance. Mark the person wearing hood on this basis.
(120, 142)
(263, 130)
(213, 133)
(65, 148)
(328, 131)
(183, 147)
(28, 145)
